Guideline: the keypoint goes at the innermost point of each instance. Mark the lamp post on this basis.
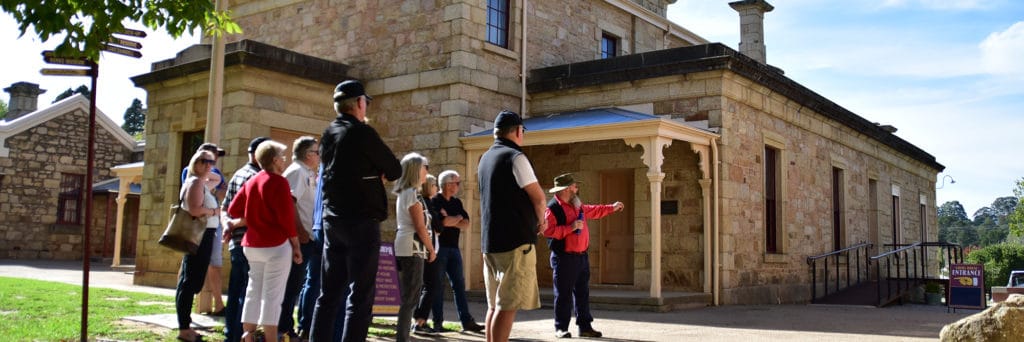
(951, 181)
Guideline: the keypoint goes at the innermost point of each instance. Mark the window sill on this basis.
(775, 258)
(500, 51)
(66, 228)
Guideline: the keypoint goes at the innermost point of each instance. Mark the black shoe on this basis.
(471, 326)
(559, 333)
(423, 329)
(590, 333)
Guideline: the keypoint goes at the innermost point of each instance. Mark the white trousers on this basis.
(268, 274)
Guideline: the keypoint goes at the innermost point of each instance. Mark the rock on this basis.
(1001, 322)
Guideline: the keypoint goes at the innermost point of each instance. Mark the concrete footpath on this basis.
(812, 323)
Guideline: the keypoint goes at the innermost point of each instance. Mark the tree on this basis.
(999, 260)
(3, 109)
(134, 118)
(87, 24)
(82, 89)
(1016, 219)
(952, 221)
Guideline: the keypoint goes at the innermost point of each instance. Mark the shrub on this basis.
(998, 261)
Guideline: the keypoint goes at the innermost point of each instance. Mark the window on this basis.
(609, 46)
(69, 200)
(497, 22)
(190, 142)
(896, 216)
(873, 211)
(771, 194)
(837, 209)
(923, 212)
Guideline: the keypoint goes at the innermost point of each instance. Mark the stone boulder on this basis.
(1001, 322)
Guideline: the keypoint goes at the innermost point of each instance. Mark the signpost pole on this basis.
(91, 154)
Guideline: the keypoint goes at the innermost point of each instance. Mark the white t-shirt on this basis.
(523, 171)
(406, 241)
(302, 180)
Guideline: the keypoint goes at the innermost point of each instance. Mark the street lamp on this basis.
(951, 181)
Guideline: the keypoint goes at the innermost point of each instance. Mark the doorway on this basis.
(616, 239)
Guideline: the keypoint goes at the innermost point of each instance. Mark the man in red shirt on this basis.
(569, 237)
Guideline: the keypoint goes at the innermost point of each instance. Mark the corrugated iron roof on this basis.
(589, 117)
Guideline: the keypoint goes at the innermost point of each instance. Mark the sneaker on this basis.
(471, 326)
(423, 329)
(559, 333)
(590, 333)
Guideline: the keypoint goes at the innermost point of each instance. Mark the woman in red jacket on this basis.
(264, 204)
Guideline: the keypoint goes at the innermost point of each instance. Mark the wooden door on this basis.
(616, 230)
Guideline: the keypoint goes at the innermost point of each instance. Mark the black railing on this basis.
(908, 266)
(892, 286)
(859, 253)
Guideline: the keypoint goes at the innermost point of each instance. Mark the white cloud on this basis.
(940, 4)
(1003, 51)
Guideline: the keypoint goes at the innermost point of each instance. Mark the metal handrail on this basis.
(903, 281)
(813, 262)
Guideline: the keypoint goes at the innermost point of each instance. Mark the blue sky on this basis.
(947, 73)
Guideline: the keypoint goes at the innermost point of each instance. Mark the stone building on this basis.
(42, 178)
(732, 173)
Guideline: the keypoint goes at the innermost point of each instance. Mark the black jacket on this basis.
(354, 159)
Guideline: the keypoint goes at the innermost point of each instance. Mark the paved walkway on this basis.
(810, 323)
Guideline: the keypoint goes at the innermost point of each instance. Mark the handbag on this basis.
(184, 232)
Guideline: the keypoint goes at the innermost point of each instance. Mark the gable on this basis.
(65, 106)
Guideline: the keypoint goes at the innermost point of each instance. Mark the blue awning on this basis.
(590, 117)
(114, 185)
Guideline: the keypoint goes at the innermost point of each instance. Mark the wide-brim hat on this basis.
(562, 182)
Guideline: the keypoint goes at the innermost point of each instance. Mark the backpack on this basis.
(557, 245)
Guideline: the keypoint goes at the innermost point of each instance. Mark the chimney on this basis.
(24, 99)
(752, 27)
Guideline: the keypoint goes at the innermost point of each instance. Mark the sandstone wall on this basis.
(256, 102)
(811, 145)
(28, 195)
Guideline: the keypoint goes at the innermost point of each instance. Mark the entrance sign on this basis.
(387, 298)
(967, 286)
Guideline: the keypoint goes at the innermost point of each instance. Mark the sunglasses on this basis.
(426, 166)
(208, 161)
(456, 183)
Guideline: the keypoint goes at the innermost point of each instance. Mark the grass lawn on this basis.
(33, 310)
(47, 311)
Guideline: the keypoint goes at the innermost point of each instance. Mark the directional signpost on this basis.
(122, 47)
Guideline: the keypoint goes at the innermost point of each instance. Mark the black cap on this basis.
(349, 89)
(507, 118)
(256, 143)
(213, 148)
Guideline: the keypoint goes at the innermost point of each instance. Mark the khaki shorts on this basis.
(511, 279)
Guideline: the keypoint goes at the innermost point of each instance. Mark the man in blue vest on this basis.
(512, 212)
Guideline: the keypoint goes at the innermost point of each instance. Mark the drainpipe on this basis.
(522, 64)
(716, 164)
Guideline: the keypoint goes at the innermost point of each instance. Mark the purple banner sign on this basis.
(387, 298)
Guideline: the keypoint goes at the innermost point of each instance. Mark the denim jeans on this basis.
(313, 253)
(237, 283)
(293, 286)
(349, 277)
(191, 279)
(449, 259)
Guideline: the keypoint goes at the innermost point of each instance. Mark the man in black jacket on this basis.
(355, 162)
